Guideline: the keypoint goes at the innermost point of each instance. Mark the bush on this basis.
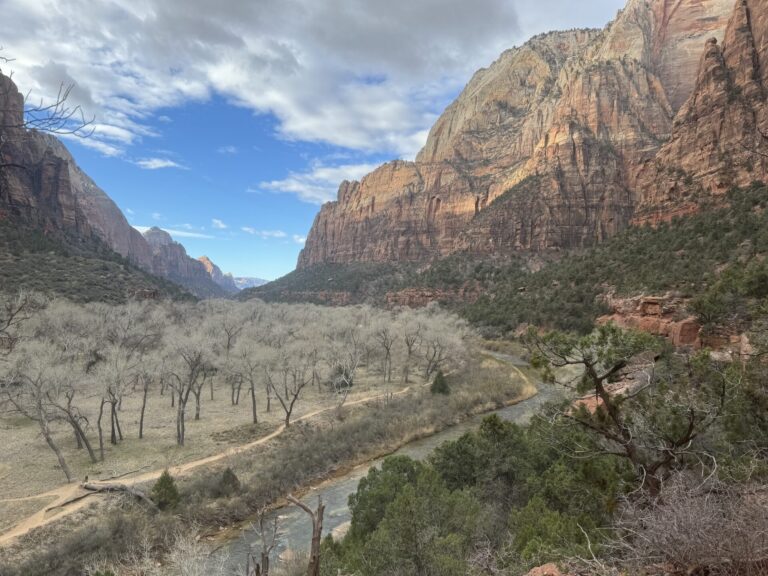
(164, 492)
(440, 384)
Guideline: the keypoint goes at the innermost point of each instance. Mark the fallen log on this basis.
(109, 488)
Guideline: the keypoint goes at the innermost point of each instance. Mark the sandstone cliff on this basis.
(170, 260)
(556, 144)
(225, 281)
(42, 187)
(720, 136)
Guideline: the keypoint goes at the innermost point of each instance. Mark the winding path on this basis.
(63, 494)
(68, 492)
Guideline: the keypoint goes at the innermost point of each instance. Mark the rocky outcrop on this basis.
(554, 145)
(663, 316)
(225, 281)
(170, 260)
(419, 297)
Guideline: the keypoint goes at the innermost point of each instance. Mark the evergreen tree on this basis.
(164, 492)
(440, 384)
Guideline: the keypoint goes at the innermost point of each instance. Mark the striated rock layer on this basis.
(571, 138)
(42, 187)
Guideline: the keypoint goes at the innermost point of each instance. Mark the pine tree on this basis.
(440, 384)
(164, 492)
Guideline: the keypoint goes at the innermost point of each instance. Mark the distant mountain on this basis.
(43, 191)
(245, 283)
(570, 139)
(225, 281)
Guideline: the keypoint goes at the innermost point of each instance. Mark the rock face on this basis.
(563, 142)
(225, 281)
(663, 316)
(170, 260)
(41, 186)
(720, 136)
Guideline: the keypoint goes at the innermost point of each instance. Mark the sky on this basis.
(229, 123)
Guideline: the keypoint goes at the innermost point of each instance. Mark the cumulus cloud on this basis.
(364, 75)
(320, 183)
(158, 164)
(218, 224)
(264, 234)
(299, 239)
(228, 150)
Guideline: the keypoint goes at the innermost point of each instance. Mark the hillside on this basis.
(74, 268)
(581, 134)
(717, 253)
(44, 190)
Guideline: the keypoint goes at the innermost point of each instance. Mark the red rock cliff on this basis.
(555, 145)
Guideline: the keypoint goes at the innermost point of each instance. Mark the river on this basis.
(294, 525)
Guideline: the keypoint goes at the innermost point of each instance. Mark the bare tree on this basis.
(268, 534)
(317, 532)
(187, 368)
(386, 338)
(39, 378)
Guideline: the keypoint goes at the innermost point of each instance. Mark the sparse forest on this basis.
(104, 383)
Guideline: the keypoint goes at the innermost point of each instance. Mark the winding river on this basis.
(294, 527)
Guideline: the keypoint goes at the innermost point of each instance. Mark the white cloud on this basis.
(218, 224)
(364, 75)
(178, 233)
(158, 164)
(157, 216)
(264, 234)
(228, 150)
(129, 212)
(299, 239)
(320, 184)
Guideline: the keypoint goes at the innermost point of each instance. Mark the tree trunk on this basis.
(80, 435)
(101, 433)
(197, 406)
(143, 409)
(49, 439)
(317, 532)
(113, 433)
(253, 404)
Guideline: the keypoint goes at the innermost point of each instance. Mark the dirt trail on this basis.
(67, 492)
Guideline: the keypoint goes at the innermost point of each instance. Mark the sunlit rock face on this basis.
(569, 139)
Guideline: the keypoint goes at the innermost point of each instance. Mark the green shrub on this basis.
(164, 492)
(440, 384)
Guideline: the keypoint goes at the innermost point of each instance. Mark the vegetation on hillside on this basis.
(77, 269)
(716, 254)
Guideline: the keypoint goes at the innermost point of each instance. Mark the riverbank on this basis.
(307, 453)
(357, 468)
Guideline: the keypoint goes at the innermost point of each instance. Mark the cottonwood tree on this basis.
(653, 420)
(187, 366)
(14, 311)
(295, 369)
(411, 332)
(37, 382)
(385, 336)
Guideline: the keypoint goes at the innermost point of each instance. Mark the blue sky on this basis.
(229, 124)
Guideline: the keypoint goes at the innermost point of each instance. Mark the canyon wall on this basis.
(569, 139)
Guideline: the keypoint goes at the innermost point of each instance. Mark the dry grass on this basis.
(29, 467)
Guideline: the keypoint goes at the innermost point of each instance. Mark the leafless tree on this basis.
(39, 379)
(317, 532)
(268, 533)
(186, 369)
